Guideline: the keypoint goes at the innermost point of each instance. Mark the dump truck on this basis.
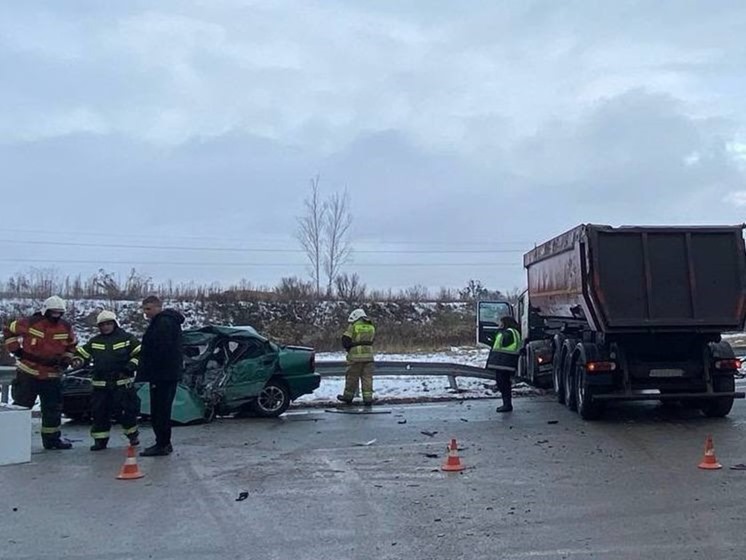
(635, 313)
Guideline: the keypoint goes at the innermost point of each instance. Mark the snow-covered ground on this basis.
(416, 388)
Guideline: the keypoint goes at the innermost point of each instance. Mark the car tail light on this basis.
(599, 367)
(735, 363)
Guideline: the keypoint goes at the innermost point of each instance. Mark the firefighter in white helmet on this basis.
(44, 345)
(358, 340)
(114, 353)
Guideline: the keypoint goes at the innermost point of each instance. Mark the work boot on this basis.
(99, 444)
(58, 443)
(343, 399)
(157, 451)
(504, 408)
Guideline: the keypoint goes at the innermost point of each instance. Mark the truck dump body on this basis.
(637, 279)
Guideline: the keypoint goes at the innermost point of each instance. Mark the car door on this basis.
(252, 363)
(489, 314)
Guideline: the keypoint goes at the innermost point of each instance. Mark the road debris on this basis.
(429, 434)
(242, 496)
(366, 443)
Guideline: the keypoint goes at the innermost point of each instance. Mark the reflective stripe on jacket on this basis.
(114, 356)
(44, 343)
(358, 339)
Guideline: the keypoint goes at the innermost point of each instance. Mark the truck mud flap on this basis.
(670, 397)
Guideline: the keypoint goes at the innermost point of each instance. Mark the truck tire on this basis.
(720, 407)
(568, 376)
(587, 409)
(557, 361)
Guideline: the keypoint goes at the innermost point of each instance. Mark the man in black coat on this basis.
(161, 363)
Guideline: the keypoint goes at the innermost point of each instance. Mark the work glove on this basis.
(77, 363)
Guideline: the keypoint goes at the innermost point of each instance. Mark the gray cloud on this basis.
(499, 125)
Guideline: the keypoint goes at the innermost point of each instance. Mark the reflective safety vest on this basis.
(43, 342)
(361, 335)
(115, 357)
(511, 348)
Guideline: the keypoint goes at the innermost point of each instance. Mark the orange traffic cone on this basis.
(453, 462)
(709, 461)
(130, 470)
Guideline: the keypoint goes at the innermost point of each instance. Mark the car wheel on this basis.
(272, 400)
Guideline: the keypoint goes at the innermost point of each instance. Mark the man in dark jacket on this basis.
(161, 363)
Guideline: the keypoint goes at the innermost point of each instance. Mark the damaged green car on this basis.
(227, 370)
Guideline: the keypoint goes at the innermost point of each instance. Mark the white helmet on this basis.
(357, 315)
(106, 316)
(54, 303)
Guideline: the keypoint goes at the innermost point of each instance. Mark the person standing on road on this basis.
(115, 359)
(358, 340)
(44, 345)
(503, 359)
(161, 363)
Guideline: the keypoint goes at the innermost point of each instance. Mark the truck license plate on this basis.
(666, 373)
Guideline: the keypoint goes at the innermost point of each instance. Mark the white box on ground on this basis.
(15, 435)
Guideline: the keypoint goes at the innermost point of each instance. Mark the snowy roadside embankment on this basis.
(417, 388)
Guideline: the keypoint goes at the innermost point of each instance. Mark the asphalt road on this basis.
(627, 487)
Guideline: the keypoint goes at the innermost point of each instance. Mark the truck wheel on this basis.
(587, 409)
(569, 382)
(558, 381)
(720, 407)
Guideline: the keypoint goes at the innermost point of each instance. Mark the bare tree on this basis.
(337, 247)
(350, 288)
(310, 232)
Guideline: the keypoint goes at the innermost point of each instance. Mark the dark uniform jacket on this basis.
(161, 358)
(115, 355)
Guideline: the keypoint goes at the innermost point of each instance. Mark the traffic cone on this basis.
(709, 461)
(130, 470)
(453, 461)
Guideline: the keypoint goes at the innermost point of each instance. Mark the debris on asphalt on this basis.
(402, 421)
(463, 419)
(738, 467)
(432, 455)
(553, 422)
(366, 443)
(242, 496)
(428, 434)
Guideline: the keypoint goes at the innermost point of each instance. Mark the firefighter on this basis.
(44, 345)
(504, 359)
(358, 341)
(114, 354)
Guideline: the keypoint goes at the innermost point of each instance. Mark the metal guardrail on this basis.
(431, 369)
(338, 369)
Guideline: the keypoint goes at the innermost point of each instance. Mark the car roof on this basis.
(205, 334)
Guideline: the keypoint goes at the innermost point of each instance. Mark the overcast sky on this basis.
(126, 127)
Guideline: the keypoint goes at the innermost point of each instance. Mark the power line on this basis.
(221, 238)
(252, 250)
(237, 264)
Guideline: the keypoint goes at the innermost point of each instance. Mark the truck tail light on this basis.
(735, 363)
(600, 367)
